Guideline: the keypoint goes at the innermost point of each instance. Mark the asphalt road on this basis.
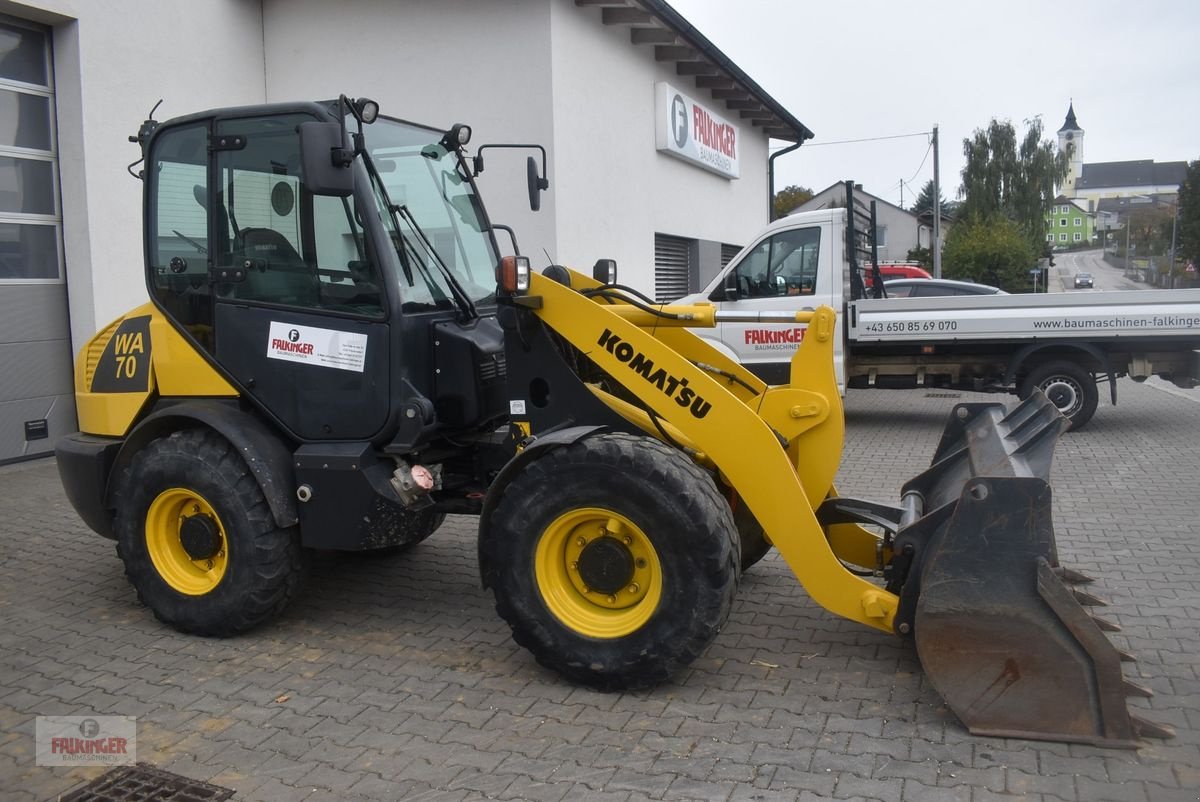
(1105, 276)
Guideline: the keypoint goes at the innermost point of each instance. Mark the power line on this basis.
(923, 160)
(867, 139)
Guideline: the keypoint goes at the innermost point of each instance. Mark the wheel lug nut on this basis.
(581, 541)
(612, 599)
(640, 562)
(587, 590)
(575, 565)
(628, 540)
(634, 588)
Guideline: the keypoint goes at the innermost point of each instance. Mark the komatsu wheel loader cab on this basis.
(334, 356)
(321, 311)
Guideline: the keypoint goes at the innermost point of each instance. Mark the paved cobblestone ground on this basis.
(393, 679)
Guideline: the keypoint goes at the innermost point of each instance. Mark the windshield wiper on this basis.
(456, 287)
(465, 307)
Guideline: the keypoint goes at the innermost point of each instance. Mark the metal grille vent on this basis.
(728, 252)
(494, 368)
(143, 782)
(95, 350)
(670, 267)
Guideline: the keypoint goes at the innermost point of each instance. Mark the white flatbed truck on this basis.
(1063, 343)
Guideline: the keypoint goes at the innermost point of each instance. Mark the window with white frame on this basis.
(1063, 222)
(30, 219)
(1078, 237)
(1078, 222)
(1049, 238)
(1062, 237)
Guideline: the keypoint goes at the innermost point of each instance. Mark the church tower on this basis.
(1070, 141)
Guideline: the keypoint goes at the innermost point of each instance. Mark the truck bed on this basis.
(1170, 317)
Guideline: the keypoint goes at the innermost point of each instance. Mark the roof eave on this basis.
(656, 24)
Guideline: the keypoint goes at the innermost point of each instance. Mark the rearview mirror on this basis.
(536, 184)
(731, 286)
(326, 162)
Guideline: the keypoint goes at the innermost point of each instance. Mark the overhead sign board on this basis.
(695, 133)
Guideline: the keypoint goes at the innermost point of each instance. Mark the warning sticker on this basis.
(328, 348)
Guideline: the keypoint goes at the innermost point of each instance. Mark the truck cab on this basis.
(795, 264)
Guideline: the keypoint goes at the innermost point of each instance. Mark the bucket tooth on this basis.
(1088, 600)
(1133, 689)
(1106, 625)
(1072, 576)
(1151, 729)
(1126, 657)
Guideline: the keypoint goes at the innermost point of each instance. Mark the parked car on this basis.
(1081, 280)
(930, 287)
(896, 270)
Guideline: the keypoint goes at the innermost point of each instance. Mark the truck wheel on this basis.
(1068, 386)
(199, 543)
(614, 560)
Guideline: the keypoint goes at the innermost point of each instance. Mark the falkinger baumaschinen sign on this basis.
(691, 131)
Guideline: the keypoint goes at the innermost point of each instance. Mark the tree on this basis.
(991, 250)
(1015, 181)
(789, 198)
(1188, 236)
(923, 255)
(924, 202)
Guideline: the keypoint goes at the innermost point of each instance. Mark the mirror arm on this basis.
(511, 235)
(477, 161)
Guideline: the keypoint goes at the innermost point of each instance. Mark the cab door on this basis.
(305, 333)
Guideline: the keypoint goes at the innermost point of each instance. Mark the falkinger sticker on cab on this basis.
(329, 348)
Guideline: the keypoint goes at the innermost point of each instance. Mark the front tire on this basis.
(1071, 389)
(198, 540)
(614, 560)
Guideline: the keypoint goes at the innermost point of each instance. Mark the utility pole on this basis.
(937, 210)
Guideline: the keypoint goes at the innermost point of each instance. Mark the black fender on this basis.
(1017, 361)
(266, 454)
(538, 448)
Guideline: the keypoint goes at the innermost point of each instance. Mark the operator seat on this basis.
(278, 273)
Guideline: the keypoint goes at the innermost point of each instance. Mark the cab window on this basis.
(782, 265)
(300, 250)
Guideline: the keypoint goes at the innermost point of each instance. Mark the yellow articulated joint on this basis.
(880, 606)
(728, 431)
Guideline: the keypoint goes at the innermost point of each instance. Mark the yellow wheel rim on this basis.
(598, 573)
(165, 521)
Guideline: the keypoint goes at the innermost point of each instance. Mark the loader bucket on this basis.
(1000, 629)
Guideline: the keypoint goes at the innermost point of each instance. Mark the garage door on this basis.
(36, 404)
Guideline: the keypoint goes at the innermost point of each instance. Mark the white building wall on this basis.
(538, 71)
(613, 190)
(113, 60)
(486, 64)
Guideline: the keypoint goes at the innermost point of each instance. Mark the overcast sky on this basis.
(853, 70)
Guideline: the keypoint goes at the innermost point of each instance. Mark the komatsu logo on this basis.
(671, 386)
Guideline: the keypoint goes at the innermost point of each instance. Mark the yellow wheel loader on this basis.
(335, 356)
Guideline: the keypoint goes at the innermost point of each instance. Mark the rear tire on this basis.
(198, 540)
(1071, 389)
(614, 560)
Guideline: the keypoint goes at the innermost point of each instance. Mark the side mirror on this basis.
(536, 184)
(731, 286)
(325, 161)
